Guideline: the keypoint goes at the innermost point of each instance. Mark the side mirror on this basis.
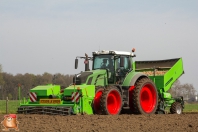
(121, 61)
(76, 63)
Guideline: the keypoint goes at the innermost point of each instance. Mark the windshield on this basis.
(103, 62)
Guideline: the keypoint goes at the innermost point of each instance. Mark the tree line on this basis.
(9, 83)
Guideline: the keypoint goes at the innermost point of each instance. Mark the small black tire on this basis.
(176, 108)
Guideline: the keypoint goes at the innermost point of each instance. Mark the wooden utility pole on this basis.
(7, 105)
(19, 89)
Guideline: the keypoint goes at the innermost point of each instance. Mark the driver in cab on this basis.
(104, 64)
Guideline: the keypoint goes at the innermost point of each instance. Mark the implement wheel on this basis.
(144, 98)
(176, 108)
(96, 102)
(111, 101)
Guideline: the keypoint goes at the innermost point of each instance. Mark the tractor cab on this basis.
(116, 64)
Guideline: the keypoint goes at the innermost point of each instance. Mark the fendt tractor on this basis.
(115, 85)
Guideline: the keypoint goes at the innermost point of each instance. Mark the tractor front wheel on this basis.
(111, 101)
(96, 103)
(176, 108)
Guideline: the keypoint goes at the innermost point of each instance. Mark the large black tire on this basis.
(176, 108)
(111, 101)
(144, 98)
(96, 102)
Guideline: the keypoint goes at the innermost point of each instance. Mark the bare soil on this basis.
(106, 123)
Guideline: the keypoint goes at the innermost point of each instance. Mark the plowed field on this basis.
(105, 123)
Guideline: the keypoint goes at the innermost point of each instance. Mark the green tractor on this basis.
(115, 84)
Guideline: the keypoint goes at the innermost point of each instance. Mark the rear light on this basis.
(62, 90)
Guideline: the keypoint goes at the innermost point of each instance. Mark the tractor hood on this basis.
(88, 77)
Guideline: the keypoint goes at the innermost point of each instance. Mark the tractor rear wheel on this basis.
(96, 103)
(176, 108)
(111, 101)
(144, 97)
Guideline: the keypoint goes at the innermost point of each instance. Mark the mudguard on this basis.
(132, 77)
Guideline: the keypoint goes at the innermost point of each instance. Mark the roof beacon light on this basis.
(133, 50)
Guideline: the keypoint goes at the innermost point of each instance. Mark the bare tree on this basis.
(186, 90)
(176, 89)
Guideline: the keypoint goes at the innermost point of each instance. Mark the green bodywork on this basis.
(43, 92)
(98, 78)
(87, 94)
(101, 77)
(173, 69)
(131, 77)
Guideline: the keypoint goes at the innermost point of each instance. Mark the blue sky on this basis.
(46, 36)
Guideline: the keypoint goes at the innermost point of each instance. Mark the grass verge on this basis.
(14, 104)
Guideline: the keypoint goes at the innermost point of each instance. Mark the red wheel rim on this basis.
(148, 98)
(113, 102)
(97, 101)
